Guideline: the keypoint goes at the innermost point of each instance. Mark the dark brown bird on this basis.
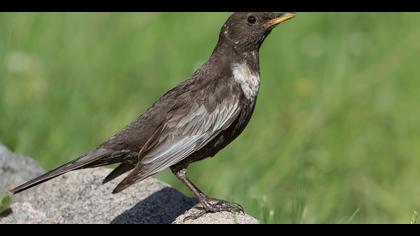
(194, 120)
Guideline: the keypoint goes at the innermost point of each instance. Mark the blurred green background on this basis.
(335, 137)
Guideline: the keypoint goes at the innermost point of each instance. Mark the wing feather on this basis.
(186, 130)
(189, 136)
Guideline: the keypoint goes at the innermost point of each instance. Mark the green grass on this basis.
(334, 138)
(5, 202)
(414, 218)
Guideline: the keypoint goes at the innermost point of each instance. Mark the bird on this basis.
(194, 120)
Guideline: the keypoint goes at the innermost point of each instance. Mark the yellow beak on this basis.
(281, 18)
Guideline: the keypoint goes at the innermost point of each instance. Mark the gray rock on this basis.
(15, 169)
(79, 197)
(216, 218)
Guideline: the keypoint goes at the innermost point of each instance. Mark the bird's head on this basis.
(246, 31)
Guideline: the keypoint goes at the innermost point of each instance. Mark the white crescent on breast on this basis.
(249, 81)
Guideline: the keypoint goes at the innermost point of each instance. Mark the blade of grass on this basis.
(5, 202)
(414, 218)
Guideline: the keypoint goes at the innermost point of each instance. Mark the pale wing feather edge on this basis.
(169, 153)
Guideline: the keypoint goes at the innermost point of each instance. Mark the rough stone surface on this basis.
(15, 169)
(79, 197)
(216, 218)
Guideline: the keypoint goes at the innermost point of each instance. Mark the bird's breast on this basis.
(248, 79)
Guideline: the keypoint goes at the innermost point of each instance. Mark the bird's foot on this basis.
(212, 205)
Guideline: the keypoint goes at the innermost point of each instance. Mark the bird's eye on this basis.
(252, 20)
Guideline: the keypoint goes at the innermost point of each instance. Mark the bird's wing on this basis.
(187, 129)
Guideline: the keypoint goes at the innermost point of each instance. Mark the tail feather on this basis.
(134, 177)
(121, 169)
(73, 165)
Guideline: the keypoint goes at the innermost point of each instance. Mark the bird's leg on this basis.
(207, 204)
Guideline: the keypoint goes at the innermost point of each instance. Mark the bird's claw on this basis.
(212, 205)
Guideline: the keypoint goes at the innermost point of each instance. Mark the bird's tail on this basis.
(79, 163)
